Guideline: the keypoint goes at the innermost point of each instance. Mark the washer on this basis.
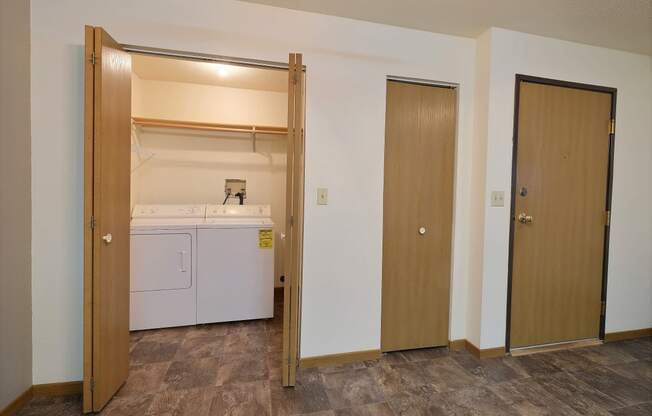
(235, 268)
(163, 242)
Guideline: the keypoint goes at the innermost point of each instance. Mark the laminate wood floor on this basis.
(234, 369)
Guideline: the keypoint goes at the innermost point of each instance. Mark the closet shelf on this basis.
(235, 128)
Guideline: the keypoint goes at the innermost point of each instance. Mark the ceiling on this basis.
(617, 24)
(209, 73)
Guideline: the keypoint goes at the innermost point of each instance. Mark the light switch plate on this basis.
(322, 196)
(497, 198)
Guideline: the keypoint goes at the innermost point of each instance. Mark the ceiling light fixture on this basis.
(222, 71)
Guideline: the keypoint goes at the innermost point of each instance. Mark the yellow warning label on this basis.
(265, 239)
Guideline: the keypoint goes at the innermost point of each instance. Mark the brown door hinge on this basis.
(604, 308)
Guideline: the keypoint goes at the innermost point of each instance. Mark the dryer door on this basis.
(161, 262)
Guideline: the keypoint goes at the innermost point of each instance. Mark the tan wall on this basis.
(15, 202)
(189, 167)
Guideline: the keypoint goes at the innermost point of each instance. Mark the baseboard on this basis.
(486, 353)
(457, 344)
(453, 345)
(18, 403)
(625, 335)
(343, 358)
(51, 389)
(278, 294)
(58, 389)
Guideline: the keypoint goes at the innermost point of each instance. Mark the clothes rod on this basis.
(234, 128)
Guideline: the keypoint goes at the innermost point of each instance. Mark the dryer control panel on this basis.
(238, 211)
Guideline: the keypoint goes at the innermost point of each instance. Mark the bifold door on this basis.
(559, 213)
(293, 263)
(418, 213)
(107, 126)
(106, 217)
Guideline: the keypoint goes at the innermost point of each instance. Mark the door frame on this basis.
(291, 332)
(612, 136)
(435, 84)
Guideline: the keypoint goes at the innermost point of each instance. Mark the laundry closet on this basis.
(208, 191)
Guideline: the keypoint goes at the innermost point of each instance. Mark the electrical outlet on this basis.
(322, 196)
(497, 198)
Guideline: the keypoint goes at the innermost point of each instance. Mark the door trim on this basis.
(612, 136)
(421, 81)
(205, 57)
(89, 128)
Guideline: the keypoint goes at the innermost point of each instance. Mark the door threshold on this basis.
(557, 346)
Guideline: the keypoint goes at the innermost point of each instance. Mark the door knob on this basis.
(107, 238)
(422, 230)
(523, 218)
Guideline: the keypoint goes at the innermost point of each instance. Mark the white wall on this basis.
(347, 64)
(189, 167)
(629, 297)
(476, 187)
(15, 204)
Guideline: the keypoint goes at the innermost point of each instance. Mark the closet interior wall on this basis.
(187, 166)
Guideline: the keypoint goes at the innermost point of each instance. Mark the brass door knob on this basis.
(107, 238)
(523, 218)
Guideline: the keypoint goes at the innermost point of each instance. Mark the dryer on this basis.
(235, 269)
(163, 265)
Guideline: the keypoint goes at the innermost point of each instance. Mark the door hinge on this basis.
(607, 218)
(612, 126)
(93, 222)
(92, 383)
(604, 308)
(291, 220)
(93, 58)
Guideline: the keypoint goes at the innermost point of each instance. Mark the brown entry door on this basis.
(418, 212)
(107, 170)
(559, 214)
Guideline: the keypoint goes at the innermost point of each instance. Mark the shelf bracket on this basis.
(253, 137)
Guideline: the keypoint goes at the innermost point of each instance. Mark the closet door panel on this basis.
(418, 210)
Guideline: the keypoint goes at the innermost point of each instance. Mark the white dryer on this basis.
(163, 265)
(235, 268)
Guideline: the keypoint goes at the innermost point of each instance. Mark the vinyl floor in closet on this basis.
(234, 369)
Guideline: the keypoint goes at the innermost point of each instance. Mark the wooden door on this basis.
(106, 229)
(294, 219)
(418, 211)
(559, 219)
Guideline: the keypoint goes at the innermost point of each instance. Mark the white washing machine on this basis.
(235, 267)
(164, 265)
